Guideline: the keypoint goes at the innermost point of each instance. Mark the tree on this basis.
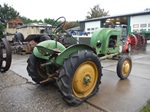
(1, 29)
(49, 21)
(72, 24)
(7, 12)
(27, 20)
(96, 11)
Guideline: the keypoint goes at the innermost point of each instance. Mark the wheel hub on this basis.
(85, 79)
(126, 67)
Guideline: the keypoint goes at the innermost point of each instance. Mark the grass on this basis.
(146, 108)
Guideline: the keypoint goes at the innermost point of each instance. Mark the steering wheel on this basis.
(60, 25)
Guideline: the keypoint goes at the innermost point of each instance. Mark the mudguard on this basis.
(70, 50)
(46, 48)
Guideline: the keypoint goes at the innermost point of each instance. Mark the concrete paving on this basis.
(20, 94)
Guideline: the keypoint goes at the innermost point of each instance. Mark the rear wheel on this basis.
(141, 40)
(124, 67)
(80, 77)
(44, 37)
(1, 56)
(36, 71)
(5, 55)
(134, 41)
(18, 37)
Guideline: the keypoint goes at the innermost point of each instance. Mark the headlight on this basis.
(98, 44)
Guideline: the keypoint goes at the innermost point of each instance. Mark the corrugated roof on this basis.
(114, 16)
(35, 25)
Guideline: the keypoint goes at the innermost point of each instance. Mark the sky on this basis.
(73, 10)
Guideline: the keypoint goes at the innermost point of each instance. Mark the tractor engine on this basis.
(106, 41)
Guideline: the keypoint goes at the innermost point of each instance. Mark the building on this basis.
(136, 22)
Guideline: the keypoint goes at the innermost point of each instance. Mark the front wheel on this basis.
(124, 67)
(80, 77)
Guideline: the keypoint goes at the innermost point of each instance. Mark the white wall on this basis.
(91, 26)
(139, 23)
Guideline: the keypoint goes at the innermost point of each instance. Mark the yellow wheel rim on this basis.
(126, 67)
(84, 79)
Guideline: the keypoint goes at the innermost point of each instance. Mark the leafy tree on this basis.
(27, 20)
(1, 29)
(96, 11)
(7, 12)
(72, 24)
(66, 26)
(49, 21)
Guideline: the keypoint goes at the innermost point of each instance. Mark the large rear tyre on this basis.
(124, 67)
(18, 37)
(141, 40)
(134, 41)
(44, 37)
(36, 71)
(1, 56)
(5, 55)
(80, 77)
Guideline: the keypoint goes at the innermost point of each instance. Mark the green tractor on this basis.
(76, 69)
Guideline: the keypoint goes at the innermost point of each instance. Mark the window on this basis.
(149, 25)
(142, 29)
(88, 29)
(143, 25)
(96, 28)
(124, 32)
(135, 25)
(135, 30)
(92, 28)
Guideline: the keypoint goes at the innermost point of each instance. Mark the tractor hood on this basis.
(100, 39)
